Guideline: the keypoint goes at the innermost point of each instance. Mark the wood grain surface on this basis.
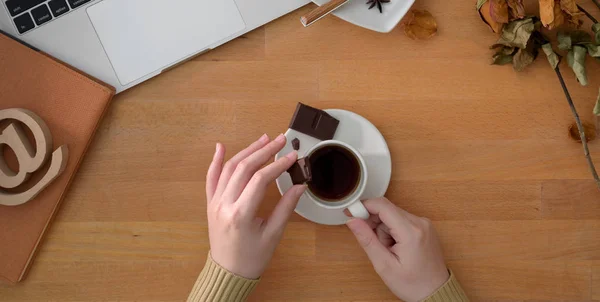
(481, 150)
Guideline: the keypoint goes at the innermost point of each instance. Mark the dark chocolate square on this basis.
(314, 122)
(300, 172)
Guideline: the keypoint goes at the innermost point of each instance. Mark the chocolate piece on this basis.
(300, 171)
(314, 122)
(296, 144)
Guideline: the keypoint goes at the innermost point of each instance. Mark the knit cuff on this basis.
(450, 291)
(217, 284)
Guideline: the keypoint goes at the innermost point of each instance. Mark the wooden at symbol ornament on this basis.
(30, 158)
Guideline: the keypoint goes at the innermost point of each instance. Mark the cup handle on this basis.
(358, 210)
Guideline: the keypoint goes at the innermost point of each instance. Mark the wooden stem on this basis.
(586, 151)
(321, 11)
(587, 14)
(597, 3)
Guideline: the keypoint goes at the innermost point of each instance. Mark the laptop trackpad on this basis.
(143, 36)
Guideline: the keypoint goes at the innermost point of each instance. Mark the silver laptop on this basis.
(125, 42)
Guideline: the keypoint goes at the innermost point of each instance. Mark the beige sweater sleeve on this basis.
(450, 291)
(217, 284)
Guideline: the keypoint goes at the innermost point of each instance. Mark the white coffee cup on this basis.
(352, 200)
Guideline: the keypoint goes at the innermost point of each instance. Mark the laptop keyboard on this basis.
(29, 14)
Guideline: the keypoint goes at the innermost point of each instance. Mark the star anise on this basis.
(378, 3)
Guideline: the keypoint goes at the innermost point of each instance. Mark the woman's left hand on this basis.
(240, 242)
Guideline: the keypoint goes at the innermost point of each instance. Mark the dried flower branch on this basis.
(521, 39)
(554, 61)
(584, 140)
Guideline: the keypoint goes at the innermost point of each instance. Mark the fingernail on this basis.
(302, 189)
(264, 138)
(292, 155)
(350, 223)
(280, 138)
(217, 147)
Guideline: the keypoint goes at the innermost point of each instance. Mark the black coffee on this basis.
(335, 173)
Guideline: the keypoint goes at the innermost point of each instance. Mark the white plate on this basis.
(357, 12)
(358, 132)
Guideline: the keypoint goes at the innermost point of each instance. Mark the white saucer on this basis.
(358, 132)
(358, 13)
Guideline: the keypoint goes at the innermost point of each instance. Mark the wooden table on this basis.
(481, 150)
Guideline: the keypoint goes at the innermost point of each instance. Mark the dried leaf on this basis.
(484, 13)
(547, 11)
(517, 33)
(552, 57)
(522, 59)
(501, 59)
(597, 107)
(504, 54)
(596, 30)
(593, 50)
(499, 11)
(505, 50)
(578, 63)
(566, 40)
(517, 10)
(570, 58)
(580, 37)
(421, 25)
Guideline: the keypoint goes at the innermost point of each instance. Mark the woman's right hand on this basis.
(404, 249)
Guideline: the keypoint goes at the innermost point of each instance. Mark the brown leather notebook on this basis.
(71, 104)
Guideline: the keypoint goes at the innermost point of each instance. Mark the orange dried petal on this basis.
(421, 25)
(569, 6)
(588, 129)
(547, 11)
(571, 12)
(517, 9)
(499, 10)
(484, 12)
(559, 17)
